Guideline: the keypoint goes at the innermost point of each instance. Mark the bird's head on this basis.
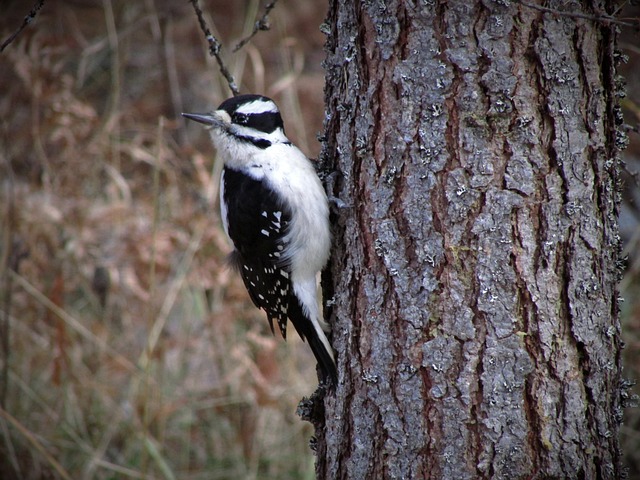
(249, 118)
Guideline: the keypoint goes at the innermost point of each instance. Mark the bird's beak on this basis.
(209, 119)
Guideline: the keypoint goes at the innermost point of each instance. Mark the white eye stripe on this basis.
(258, 106)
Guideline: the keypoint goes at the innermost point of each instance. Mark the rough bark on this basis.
(473, 282)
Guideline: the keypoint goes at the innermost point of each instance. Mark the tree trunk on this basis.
(473, 281)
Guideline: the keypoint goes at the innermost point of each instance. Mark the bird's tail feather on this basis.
(318, 341)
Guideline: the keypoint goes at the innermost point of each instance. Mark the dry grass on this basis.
(133, 352)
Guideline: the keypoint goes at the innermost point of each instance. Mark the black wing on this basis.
(257, 222)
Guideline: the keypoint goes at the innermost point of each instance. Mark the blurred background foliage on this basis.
(134, 352)
(128, 349)
(629, 46)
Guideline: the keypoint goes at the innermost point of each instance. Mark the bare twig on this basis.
(27, 20)
(214, 48)
(596, 18)
(262, 24)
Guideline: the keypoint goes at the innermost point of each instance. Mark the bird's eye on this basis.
(241, 118)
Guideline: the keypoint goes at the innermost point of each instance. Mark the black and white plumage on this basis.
(276, 213)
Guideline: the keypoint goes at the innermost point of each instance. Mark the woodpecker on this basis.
(275, 211)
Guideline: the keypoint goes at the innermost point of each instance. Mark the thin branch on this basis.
(214, 48)
(596, 18)
(27, 20)
(262, 24)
